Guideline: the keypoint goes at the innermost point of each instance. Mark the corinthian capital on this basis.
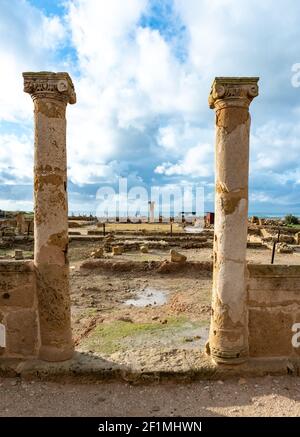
(232, 91)
(45, 84)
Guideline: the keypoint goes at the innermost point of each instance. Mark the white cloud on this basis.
(16, 159)
(16, 205)
(129, 77)
(142, 109)
(197, 163)
(101, 34)
(28, 41)
(167, 84)
(275, 147)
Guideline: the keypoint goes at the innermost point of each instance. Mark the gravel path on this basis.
(269, 396)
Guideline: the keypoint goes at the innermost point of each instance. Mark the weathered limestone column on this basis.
(152, 206)
(50, 93)
(230, 98)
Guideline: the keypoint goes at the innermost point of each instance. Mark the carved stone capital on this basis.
(233, 91)
(45, 84)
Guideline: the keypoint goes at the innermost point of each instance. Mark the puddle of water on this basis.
(196, 337)
(186, 336)
(148, 296)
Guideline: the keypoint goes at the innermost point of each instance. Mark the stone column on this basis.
(20, 223)
(230, 98)
(50, 93)
(152, 206)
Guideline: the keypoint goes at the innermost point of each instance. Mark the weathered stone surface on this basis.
(22, 332)
(151, 211)
(17, 284)
(284, 248)
(177, 257)
(268, 235)
(285, 238)
(8, 232)
(168, 267)
(54, 312)
(230, 98)
(273, 271)
(50, 93)
(12, 280)
(274, 306)
(22, 226)
(267, 296)
(22, 296)
(18, 254)
(108, 242)
(74, 224)
(296, 316)
(97, 253)
(117, 250)
(2, 349)
(15, 266)
(282, 283)
(270, 332)
(46, 84)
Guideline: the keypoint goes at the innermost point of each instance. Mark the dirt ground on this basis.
(118, 311)
(81, 250)
(161, 228)
(175, 310)
(265, 397)
(120, 314)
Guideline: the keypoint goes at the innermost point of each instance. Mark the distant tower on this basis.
(151, 211)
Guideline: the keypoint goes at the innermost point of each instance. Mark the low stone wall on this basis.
(18, 309)
(273, 308)
(108, 265)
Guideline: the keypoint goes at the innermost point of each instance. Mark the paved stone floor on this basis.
(268, 396)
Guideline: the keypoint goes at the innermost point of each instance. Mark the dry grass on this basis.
(138, 227)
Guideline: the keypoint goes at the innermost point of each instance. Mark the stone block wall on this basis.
(273, 308)
(18, 309)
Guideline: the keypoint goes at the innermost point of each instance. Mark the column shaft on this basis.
(51, 211)
(230, 97)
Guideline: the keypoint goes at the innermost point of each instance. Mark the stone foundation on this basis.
(19, 309)
(273, 307)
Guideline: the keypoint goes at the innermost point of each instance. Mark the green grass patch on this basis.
(120, 336)
(89, 312)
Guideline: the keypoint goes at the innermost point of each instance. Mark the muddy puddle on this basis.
(149, 296)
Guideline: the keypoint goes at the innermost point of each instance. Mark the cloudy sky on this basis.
(142, 71)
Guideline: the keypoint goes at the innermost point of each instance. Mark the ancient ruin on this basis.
(44, 329)
(230, 98)
(51, 92)
(120, 272)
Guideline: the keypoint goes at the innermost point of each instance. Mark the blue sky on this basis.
(142, 71)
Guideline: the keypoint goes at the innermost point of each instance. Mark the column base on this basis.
(228, 357)
(56, 353)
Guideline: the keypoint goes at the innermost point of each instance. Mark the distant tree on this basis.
(290, 219)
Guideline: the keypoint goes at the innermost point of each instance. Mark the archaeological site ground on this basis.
(149, 216)
(150, 301)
